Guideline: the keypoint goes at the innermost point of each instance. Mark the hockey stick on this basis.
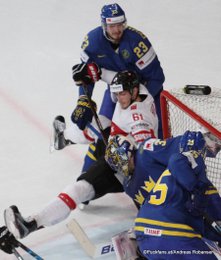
(212, 245)
(16, 253)
(88, 246)
(99, 125)
(213, 223)
(29, 251)
(217, 229)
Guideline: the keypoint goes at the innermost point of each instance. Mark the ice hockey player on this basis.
(151, 159)
(140, 120)
(135, 115)
(106, 50)
(111, 48)
(71, 135)
(174, 207)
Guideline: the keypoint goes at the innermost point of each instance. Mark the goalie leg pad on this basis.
(125, 247)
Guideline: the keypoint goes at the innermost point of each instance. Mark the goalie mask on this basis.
(118, 153)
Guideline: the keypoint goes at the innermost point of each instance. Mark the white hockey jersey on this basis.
(139, 120)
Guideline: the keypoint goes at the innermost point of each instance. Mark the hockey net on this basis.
(181, 112)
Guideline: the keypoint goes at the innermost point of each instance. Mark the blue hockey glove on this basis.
(82, 113)
(86, 74)
(7, 240)
(197, 203)
(192, 141)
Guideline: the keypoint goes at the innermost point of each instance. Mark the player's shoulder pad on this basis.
(143, 51)
(135, 34)
(151, 144)
(93, 39)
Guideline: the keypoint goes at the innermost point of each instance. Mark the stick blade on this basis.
(82, 238)
(92, 250)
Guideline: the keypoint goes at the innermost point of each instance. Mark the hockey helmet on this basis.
(124, 80)
(112, 14)
(118, 153)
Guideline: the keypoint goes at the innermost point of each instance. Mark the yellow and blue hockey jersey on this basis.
(163, 182)
(135, 52)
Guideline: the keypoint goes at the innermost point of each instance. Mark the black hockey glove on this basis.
(82, 113)
(7, 240)
(86, 74)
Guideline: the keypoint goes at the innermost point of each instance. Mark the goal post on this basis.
(182, 112)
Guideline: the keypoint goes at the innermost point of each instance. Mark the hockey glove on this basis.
(86, 74)
(192, 141)
(197, 203)
(82, 113)
(7, 240)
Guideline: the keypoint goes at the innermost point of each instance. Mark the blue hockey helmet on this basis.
(112, 14)
(118, 153)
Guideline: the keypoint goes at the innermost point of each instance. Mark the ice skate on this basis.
(16, 224)
(58, 141)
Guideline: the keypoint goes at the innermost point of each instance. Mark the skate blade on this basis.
(52, 144)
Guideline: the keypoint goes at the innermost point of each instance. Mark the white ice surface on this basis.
(39, 42)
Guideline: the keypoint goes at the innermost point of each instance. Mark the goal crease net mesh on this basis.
(182, 112)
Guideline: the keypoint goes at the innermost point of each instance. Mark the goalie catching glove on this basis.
(86, 74)
(83, 114)
(7, 240)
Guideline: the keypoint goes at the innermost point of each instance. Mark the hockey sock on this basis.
(55, 212)
(60, 208)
